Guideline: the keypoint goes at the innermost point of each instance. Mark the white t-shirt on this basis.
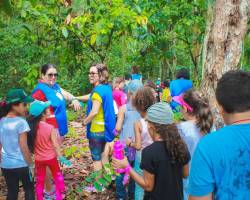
(10, 130)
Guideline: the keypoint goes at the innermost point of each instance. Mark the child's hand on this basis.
(128, 142)
(65, 161)
(120, 164)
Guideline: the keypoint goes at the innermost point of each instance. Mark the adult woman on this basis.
(100, 114)
(48, 90)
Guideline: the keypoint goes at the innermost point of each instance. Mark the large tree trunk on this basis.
(223, 43)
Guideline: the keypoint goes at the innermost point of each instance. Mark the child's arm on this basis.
(55, 143)
(137, 143)
(24, 148)
(146, 181)
(0, 152)
(185, 171)
(120, 118)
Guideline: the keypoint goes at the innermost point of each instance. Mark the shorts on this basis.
(96, 145)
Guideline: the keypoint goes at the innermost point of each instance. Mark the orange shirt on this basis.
(44, 149)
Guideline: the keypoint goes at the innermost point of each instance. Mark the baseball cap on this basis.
(37, 107)
(18, 95)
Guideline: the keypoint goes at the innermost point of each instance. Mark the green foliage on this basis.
(157, 35)
(99, 179)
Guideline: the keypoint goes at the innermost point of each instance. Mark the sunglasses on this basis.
(51, 75)
(92, 73)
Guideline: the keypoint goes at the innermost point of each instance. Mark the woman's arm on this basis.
(120, 118)
(94, 111)
(70, 97)
(55, 143)
(146, 181)
(24, 148)
(84, 98)
(137, 143)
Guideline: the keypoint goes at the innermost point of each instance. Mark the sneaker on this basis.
(50, 195)
(91, 189)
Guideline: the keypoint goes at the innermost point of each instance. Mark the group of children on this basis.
(20, 138)
(159, 151)
(146, 125)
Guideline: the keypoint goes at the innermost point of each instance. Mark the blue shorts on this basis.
(96, 145)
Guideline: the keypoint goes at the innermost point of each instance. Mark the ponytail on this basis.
(175, 145)
(33, 123)
(201, 110)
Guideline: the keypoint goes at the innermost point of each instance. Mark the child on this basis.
(165, 161)
(144, 98)
(127, 80)
(166, 95)
(135, 73)
(199, 121)
(179, 86)
(221, 162)
(15, 155)
(127, 116)
(119, 96)
(43, 142)
(150, 84)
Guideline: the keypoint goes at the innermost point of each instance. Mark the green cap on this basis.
(18, 95)
(38, 107)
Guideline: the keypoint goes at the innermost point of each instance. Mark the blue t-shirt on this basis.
(10, 129)
(179, 86)
(221, 164)
(136, 77)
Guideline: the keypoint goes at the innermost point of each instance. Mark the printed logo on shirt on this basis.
(59, 95)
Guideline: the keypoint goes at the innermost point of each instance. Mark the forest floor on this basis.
(74, 146)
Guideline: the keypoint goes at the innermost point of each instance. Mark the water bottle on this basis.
(118, 153)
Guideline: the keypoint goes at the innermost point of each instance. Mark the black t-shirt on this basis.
(168, 177)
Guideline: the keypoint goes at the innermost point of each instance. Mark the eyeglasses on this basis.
(51, 75)
(92, 73)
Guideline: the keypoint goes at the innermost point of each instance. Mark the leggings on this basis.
(12, 178)
(40, 168)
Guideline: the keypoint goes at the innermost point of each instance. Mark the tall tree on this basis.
(223, 43)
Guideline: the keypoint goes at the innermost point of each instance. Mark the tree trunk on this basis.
(164, 68)
(223, 43)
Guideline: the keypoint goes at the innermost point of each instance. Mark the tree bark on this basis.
(223, 44)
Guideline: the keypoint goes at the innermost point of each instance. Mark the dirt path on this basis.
(75, 146)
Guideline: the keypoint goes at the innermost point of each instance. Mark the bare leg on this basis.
(48, 180)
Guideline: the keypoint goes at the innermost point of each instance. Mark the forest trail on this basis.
(75, 146)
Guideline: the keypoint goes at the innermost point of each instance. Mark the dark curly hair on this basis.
(175, 145)
(201, 110)
(144, 98)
